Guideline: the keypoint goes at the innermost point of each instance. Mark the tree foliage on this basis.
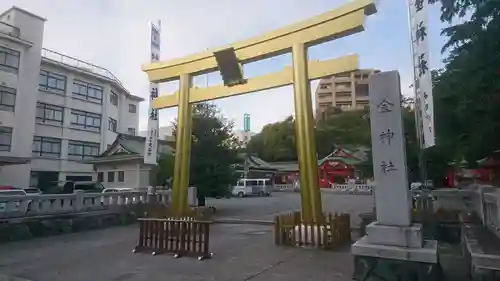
(349, 129)
(345, 129)
(163, 171)
(213, 151)
(276, 142)
(466, 90)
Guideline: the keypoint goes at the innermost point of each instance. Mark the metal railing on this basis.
(8, 29)
(82, 65)
(339, 188)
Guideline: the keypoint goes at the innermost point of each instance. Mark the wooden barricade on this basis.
(179, 236)
(332, 232)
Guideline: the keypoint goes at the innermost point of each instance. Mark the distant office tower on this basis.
(348, 91)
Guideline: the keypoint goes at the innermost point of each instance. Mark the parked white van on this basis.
(249, 187)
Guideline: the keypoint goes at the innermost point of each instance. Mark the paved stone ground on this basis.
(267, 207)
(242, 252)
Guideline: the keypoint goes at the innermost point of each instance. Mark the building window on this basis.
(7, 98)
(121, 176)
(344, 104)
(100, 177)
(324, 95)
(112, 124)
(49, 114)
(131, 131)
(111, 176)
(325, 86)
(34, 178)
(113, 99)
(86, 120)
(325, 104)
(132, 108)
(52, 82)
(87, 91)
(343, 95)
(78, 150)
(9, 60)
(46, 147)
(362, 90)
(5, 138)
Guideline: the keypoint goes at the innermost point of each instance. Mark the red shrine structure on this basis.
(338, 167)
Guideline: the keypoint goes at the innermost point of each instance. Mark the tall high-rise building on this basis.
(55, 110)
(348, 91)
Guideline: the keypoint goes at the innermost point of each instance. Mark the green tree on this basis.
(466, 91)
(349, 129)
(213, 151)
(411, 142)
(163, 171)
(276, 142)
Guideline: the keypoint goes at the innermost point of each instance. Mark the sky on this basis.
(114, 34)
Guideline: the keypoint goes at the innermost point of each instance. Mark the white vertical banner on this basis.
(422, 73)
(151, 146)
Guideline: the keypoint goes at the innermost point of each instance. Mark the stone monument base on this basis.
(369, 268)
(395, 253)
(390, 235)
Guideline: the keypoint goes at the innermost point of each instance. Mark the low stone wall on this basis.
(15, 230)
(43, 226)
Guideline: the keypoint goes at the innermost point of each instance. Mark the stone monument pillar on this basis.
(393, 245)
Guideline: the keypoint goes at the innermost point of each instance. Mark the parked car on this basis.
(88, 186)
(7, 187)
(33, 191)
(10, 192)
(117, 189)
(248, 187)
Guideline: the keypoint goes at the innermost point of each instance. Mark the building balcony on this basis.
(10, 30)
(325, 96)
(324, 91)
(362, 97)
(343, 96)
(342, 79)
(343, 90)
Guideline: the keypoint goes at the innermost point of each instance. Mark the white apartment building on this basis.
(55, 110)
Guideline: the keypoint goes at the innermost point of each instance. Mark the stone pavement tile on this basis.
(242, 252)
(10, 278)
(312, 265)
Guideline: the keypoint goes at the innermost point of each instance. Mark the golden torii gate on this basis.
(337, 23)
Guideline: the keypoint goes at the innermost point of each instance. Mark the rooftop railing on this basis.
(85, 66)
